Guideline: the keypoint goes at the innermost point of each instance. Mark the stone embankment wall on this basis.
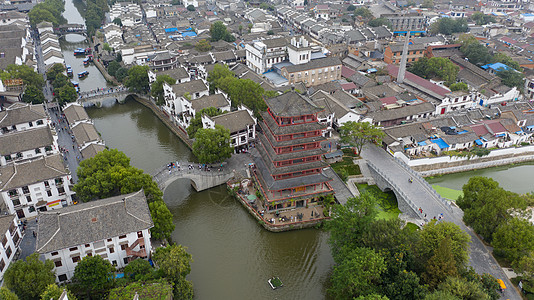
(445, 164)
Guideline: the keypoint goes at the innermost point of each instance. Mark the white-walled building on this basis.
(21, 116)
(219, 101)
(458, 100)
(116, 228)
(299, 50)
(240, 123)
(11, 238)
(176, 95)
(262, 55)
(130, 13)
(28, 144)
(186, 3)
(35, 185)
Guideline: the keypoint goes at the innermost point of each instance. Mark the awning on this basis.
(479, 142)
(423, 143)
(441, 143)
(501, 135)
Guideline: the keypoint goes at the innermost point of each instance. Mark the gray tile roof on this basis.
(92, 221)
(194, 86)
(75, 113)
(5, 223)
(402, 112)
(21, 113)
(234, 121)
(84, 133)
(178, 73)
(291, 104)
(91, 150)
(33, 171)
(215, 100)
(276, 42)
(25, 140)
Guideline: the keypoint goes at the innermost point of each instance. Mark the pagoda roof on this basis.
(270, 184)
(272, 156)
(295, 128)
(292, 142)
(291, 104)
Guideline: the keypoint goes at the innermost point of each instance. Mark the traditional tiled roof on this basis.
(21, 113)
(91, 150)
(84, 133)
(5, 222)
(291, 104)
(215, 100)
(402, 112)
(178, 73)
(194, 86)
(29, 172)
(314, 64)
(92, 221)
(234, 121)
(74, 113)
(25, 140)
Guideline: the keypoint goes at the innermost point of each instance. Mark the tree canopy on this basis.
(93, 276)
(27, 74)
(482, 19)
(219, 32)
(53, 292)
(137, 80)
(203, 45)
(175, 263)
(514, 239)
(449, 26)
(357, 134)
(476, 53)
(156, 89)
(160, 289)
(212, 145)
(196, 122)
(109, 173)
(459, 86)
(54, 71)
(48, 11)
(512, 78)
(379, 22)
(33, 95)
(433, 67)
(6, 294)
(29, 278)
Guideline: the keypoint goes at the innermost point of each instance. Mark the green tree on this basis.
(512, 78)
(144, 290)
(245, 92)
(109, 174)
(175, 263)
(379, 22)
(6, 294)
(106, 47)
(219, 32)
(434, 233)
(53, 71)
(441, 265)
(405, 285)
(191, 8)
(117, 21)
(156, 90)
(459, 86)
(482, 19)
(219, 72)
(93, 277)
(203, 45)
(66, 94)
(137, 80)
(33, 95)
(486, 205)
(507, 60)
(467, 39)
(476, 53)
(113, 67)
(463, 289)
(27, 74)
(351, 7)
(40, 14)
(60, 81)
(357, 134)
(441, 295)
(121, 74)
(196, 122)
(212, 145)
(363, 12)
(449, 26)
(514, 239)
(348, 223)
(270, 32)
(526, 266)
(358, 274)
(138, 269)
(439, 67)
(53, 292)
(427, 4)
(29, 278)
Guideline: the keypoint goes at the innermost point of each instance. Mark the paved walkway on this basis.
(27, 245)
(343, 193)
(480, 256)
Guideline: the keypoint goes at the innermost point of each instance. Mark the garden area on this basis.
(387, 203)
(346, 166)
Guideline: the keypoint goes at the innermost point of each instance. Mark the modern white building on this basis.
(11, 238)
(22, 116)
(240, 123)
(28, 144)
(262, 55)
(299, 50)
(40, 184)
(116, 228)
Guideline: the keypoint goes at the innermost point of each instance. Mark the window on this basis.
(49, 193)
(7, 157)
(123, 247)
(31, 209)
(61, 190)
(54, 253)
(122, 236)
(2, 265)
(58, 263)
(114, 263)
(8, 252)
(125, 260)
(73, 249)
(110, 240)
(39, 122)
(76, 259)
(111, 250)
(25, 190)
(89, 253)
(139, 234)
(48, 148)
(30, 124)
(46, 184)
(16, 202)
(62, 277)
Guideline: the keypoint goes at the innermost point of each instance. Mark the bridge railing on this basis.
(394, 186)
(425, 183)
(84, 96)
(163, 173)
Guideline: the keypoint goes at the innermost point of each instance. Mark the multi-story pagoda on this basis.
(288, 161)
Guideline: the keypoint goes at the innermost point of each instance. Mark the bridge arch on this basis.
(200, 180)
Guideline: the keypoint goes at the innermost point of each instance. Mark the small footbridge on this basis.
(201, 179)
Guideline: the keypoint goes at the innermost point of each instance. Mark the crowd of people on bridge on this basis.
(101, 92)
(201, 167)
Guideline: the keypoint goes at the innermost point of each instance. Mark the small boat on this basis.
(75, 83)
(275, 283)
(90, 57)
(69, 71)
(83, 74)
(79, 51)
(86, 61)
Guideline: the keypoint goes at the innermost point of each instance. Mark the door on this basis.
(20, 213)
(443, 111)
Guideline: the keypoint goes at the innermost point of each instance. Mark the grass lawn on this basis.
(448, 193)
(346, 167)
(387, 203)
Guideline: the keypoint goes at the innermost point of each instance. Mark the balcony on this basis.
(141, 252)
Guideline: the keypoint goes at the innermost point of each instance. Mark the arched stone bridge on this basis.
(117, 94)
(200, 179)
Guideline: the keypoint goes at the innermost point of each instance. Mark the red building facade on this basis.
(288, 161)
